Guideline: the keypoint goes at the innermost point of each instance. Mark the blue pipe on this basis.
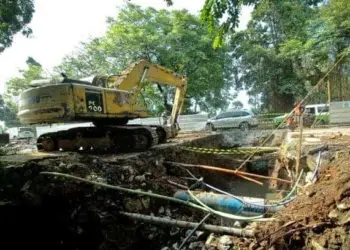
(227, 204)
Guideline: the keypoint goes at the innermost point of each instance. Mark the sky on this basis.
(59, 25)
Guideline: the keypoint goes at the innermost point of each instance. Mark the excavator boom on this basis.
(132, 78)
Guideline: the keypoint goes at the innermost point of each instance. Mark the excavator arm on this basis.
(132, 78)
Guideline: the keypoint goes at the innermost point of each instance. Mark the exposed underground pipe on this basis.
(158, 196)
(246, 200)
(229, 204)
(224, 170)
(186, 224)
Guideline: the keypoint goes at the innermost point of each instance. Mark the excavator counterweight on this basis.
(109, 102)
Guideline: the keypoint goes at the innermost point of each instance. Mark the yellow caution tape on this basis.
(226, 151)
(271, 114)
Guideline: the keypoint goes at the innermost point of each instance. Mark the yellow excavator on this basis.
(109, 102)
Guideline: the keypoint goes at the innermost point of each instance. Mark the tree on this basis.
(89, 59)
(14, 87)
(329, 42)
(176, 40)
(8, 111)
(15, 15)
(227, 12)
(237, 104)
(215, 10)
(266, 63)
(17, 84)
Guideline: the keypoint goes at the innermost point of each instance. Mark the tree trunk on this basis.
(281, 102)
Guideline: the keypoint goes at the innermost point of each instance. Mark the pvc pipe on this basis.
(187, 224)
(229, 204)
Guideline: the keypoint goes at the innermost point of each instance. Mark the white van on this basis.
(21, 133)
(25, 133)
(317, 109)
(320, 111)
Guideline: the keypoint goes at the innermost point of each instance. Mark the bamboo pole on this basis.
(177, 184)
(229, 171)
(297, 166)
(186, 224)
(329, 92)
(194, 230)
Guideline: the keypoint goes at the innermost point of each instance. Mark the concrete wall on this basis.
(339, 112)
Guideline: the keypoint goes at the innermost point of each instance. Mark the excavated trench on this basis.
(55, 213)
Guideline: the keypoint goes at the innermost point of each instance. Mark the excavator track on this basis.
(130, 138)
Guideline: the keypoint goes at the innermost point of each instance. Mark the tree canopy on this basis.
(8, 101)
(174, 39)
(17, 84)
(15, 15)
(288, 47)
(8, 111)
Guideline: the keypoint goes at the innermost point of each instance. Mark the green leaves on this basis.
(14, 87)
(224, 11)
(17, 84)
(271, 53)
(8, 111)
(175, 39)
(14, 17)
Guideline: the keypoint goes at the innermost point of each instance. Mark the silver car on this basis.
(238, 118)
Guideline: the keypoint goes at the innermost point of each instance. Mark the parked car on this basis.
(238, 118)
(320, 112)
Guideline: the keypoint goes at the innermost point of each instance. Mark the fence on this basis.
(339, 113)
(266, 120)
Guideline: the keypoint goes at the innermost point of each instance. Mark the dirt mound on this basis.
(318, 218)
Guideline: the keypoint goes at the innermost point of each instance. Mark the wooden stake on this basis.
(297, 167)
(329, 92)
(329, 99)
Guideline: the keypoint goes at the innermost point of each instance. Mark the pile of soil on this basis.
(319, 218)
